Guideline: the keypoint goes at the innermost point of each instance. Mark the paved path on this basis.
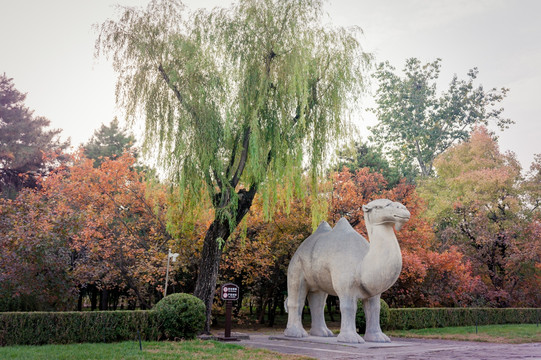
(328, 348)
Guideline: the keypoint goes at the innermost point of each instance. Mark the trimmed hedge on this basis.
(38, 328)
(177, 315)
(419, 318)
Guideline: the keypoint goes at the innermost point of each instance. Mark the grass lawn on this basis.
(196, 349)
(509, 333)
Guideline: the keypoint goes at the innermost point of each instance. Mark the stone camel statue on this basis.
(341, 262)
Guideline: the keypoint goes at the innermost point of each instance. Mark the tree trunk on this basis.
(93, 299)
(261, 318)
(272, 309)
(104, 300)
(80, 301)
(205, 287)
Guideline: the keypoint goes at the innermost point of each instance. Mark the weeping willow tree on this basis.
(235, 100)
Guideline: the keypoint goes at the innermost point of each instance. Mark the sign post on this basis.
(229, 293)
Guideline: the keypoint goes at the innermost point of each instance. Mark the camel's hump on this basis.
(343, 229)
(343, 225)
(323, 227)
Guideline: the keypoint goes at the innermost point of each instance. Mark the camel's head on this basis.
(382, 211)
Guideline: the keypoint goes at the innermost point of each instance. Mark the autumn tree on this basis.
(477, 202)
(24, 141)
(123, 242)
(109, 141)
(35, 259)
(416, 123)
(87, 231)
(235, 100)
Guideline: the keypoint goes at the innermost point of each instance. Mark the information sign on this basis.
(229, 292)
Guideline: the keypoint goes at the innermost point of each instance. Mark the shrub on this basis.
(419, 318)
(360, 320)
(180, 316)
(38, 328)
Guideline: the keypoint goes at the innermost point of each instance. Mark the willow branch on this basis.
(243, 158)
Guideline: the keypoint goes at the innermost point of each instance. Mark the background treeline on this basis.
(92, 228)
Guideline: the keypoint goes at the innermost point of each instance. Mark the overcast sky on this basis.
(47, 48)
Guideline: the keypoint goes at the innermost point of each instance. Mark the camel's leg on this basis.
(296, 295)
(348, 331)
(317, 308)
(371, 311)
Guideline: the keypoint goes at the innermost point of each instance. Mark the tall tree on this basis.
(235, 100)
(416, 123)
(24, 141)
(477, 203)
(109, 141)
(358, 155)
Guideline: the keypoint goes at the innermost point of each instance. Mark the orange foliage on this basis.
(108, 221)
(123, 241)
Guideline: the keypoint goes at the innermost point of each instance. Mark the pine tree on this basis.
(108, 142)
(25, 141)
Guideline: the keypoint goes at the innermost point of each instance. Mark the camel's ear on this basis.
(366, 208)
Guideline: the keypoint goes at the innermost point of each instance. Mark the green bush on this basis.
(419, 318)
(38, 328)
(180, 316)
(360, 320)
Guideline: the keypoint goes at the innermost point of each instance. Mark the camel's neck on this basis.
(383, 262)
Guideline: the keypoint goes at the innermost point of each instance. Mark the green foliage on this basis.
(24, 141)
(419, 318)
(360, 319)
(37, 328)
(180, 316)
(360, 155)
(108, 142)
(416, 123)
(234, 96)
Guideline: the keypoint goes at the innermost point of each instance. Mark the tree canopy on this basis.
(24, 141)
(477, 202)
(358, 155)
(86, 230)
(416, 124)
(235, 100)
(109, 141)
